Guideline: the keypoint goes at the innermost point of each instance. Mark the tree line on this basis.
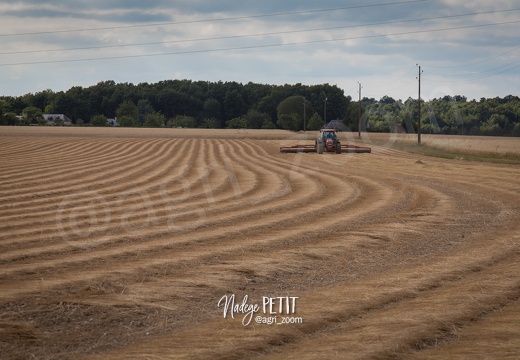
(446, 115)
(186, 103)
(176, 103)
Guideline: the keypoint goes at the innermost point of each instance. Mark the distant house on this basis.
(335, 124)
(61, 117)
(112, 122)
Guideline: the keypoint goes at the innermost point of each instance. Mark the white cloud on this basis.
(358, 51)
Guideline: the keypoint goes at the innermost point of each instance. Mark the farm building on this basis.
(61, 117)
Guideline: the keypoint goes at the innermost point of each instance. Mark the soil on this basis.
(120, 243)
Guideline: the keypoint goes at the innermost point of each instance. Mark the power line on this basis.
(481, 75)
(393, 88)
(495, 73)
(476, 62)
(217, 19)
(480, 72)
(260, 46)
(258, 35)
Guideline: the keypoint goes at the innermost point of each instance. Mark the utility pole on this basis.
(359, 111)
(304, 116)
(419, 109)
(325, 111)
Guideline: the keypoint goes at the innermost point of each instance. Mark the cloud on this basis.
(261, 41)
(80, 11)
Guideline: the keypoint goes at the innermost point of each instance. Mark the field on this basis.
(122, 243)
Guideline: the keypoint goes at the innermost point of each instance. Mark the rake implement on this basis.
(327, 142)
(350, 149)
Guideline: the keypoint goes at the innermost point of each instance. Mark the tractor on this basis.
(328, 141)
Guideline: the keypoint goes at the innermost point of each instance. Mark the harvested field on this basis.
(120, 243)
(474, 148)
(469, 144)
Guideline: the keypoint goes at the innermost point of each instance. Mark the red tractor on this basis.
(328, 141)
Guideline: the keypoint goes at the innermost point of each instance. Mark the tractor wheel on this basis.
(338, 148)
(319, 147)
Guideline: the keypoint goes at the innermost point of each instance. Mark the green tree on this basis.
(516, 129)
(155, 120)
(10, 118)
(212, 109)
(127, 114)
(354, 111)
(268, 124)
(290, 122)
(337, 102)
(269, 103)
(3, 108)
(387, 100)
(315, 122)
(42, 99)
(49, 109)
(32, 114)
(127, 121)
(98, 120)
(73, 103)
(183, 121)
(210, 123)
(145, 108)
(255, 119)
(179, 97)
(293, 107)
(22, 121)
(237, 123)
(500, 120)
(234, 104)
(379, 120)
(490, 128)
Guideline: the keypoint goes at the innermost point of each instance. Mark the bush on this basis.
(154, 120)
(289, 122)
(31, 115)
(237, 123)
(10, 118)
(255, 119)
(23, 121)
(209, 123)
(98, 120)
(127, 121)
(183, 121)
(268, 124)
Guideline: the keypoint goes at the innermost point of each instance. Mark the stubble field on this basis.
(120, 243)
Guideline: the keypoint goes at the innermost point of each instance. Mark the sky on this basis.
(468, 48)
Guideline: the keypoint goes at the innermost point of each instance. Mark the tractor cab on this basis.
(328, 134)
